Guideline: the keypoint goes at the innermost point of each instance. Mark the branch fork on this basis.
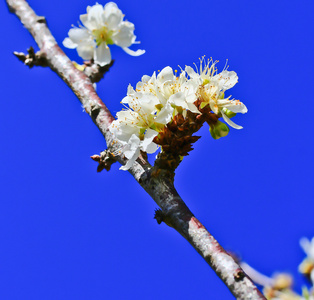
(32, 59)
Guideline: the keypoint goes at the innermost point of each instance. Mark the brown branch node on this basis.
(176, 139)
(239, 275)
(32, 59)
(105, 160)
(160, 217)
(96, 72)
(41, 19)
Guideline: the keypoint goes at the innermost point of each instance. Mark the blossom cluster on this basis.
(160, 100)
(102, 26)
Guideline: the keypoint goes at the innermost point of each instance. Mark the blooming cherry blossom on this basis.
(158, 106)
(103, 26)
(212, 89)
(137, 126)
(168, 88)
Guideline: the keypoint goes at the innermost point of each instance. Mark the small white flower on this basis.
(212, 89)
(132, 148)
(168, 88)
(307, 266)
(103, 26)
(137, 126)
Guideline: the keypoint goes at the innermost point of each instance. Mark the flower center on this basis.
(102, 35)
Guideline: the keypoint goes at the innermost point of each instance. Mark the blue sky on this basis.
(68, 232)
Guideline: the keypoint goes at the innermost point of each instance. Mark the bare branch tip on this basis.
(32, 59)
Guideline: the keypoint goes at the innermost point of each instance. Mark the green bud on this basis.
(219, 130)
(229, 113)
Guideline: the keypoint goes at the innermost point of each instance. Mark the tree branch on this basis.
(174, 211)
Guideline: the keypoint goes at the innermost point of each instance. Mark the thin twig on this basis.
(157, 186)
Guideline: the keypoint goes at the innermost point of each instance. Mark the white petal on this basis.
(132, 146)
(165, 115)
(133, 53)
(145, 78)
(112, 15)
(102, 55)
(124, 132)
(312, 277)
(79, 35)
(190, 88)
(110, 6)
(305, 245)
(178, 99)
(126, 100)
(128, 117)
(95, 14)
(151, 148)
(236, 106)
(229, 122)
(193, 108)
(124, 36)
(86, 51)
(147, 103)
(166, 74)
(311, 253)
(89, 24)
(191, 72)
(67, 42)
(131, 161)
(160, 97)
(227, 79)
(148, 140)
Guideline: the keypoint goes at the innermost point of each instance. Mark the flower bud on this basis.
(218, 130)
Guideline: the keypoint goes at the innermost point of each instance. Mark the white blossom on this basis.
(103, 26)
(168, 88)
(157, 99)
(212, 89)
(137, 126)
(307, 266)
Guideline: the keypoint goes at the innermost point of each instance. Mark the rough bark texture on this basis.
(174, 211)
